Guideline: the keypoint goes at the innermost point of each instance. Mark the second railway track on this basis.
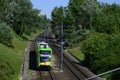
(71, 69)
(70, 65)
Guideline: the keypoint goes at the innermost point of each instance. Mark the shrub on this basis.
(6, 35)
(102, 52)
(92, 45)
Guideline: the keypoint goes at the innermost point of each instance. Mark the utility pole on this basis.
(45, 30)
(61, 48)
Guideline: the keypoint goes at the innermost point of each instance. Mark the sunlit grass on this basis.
(76, 52)
(31, 36)
(14, 55)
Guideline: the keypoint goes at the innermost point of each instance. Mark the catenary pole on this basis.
(61, 49)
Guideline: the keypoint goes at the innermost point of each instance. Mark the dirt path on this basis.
(28, 71)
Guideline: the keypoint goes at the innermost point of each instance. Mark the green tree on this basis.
(102, 52)
(3, 10)
(69, 26)
(57, 18)
(94, 44)
(75, 7)
(90, 8)
(108, 19)
(22, 17)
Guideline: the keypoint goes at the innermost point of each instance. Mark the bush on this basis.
(102, 52)
(92, 45)
(6, 35)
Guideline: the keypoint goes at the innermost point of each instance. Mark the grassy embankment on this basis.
(76, 49)
(11, 58)
(76, 52)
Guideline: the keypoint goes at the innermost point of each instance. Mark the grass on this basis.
(12, 57)
(76, 52)
(33, 34)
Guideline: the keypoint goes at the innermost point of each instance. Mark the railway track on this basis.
(70, 65)
(79, 72)
(45, 75)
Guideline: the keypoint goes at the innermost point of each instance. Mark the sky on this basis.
(46, 6)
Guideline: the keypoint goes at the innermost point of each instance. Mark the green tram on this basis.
(43, 55)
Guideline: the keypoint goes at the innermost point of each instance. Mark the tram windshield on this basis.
(44, 52)
(45, 56)
(44, 59)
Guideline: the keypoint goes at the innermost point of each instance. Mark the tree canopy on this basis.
(20, 16)
(96, 26)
